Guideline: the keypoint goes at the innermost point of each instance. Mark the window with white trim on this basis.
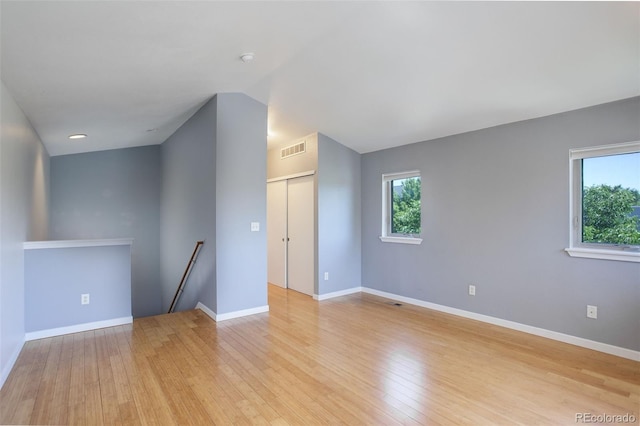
(401, 207)
(605, 202)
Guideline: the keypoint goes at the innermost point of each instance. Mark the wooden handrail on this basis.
(187, 271)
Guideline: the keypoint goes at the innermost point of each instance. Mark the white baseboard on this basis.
(326, 296)
(204, 308)
(41, 334)
(10, 363)
(242, 313)
(231, 315)
(554, 335)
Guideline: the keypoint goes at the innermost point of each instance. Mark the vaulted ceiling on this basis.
(371, 75)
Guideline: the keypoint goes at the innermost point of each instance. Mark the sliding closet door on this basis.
(301, 231)
(277, 233)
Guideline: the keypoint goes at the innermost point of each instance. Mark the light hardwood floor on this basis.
(357, 359)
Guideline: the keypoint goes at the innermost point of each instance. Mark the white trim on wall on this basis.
(293, 176)
(320, 297)
(41, 334)
(553, 335)
(204, 308)
(231, 315)
(625, 256)
(30, 245)
(401, 240)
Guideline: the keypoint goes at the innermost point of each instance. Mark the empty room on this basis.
(313, 212)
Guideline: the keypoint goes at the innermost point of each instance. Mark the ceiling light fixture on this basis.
(247, 57)
(78, 136)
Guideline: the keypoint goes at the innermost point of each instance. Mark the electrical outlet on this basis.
(84, 299)
(592, 312)
(326, 276)
(255, 226)
(472, 290)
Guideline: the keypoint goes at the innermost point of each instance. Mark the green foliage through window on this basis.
(607, 215)
(405, 217)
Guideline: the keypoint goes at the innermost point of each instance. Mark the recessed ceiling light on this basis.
(78, 136)
(247, 57)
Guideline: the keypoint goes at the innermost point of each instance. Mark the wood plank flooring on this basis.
(353, 360)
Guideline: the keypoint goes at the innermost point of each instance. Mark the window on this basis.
(401, 208)
(605, 202)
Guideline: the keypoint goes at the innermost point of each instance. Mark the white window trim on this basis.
(385, 237)
(576, 247)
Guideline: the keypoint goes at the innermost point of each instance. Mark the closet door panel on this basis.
(301, 232)
(277, 233)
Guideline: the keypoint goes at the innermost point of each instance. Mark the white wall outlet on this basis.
(592, 311)
(255, 226)
(326, 276)
(84, 299)
(472, 290)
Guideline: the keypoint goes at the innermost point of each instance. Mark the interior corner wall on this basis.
(495, 213)
(113, 194)
(188, 210)
(339, 213)
(241, 198)
(24, 212)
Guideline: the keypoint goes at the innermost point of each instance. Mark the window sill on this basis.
(623, 256)
(401, 240)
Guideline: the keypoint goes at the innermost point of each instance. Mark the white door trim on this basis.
(293, 176)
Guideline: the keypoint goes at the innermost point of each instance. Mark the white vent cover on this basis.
(298, 148)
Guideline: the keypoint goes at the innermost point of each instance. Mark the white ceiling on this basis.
(371, 75)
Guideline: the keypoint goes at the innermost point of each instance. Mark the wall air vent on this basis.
(295, 149)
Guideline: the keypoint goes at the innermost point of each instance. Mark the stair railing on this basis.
(187, 271)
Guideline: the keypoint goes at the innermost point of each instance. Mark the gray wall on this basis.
(56, 277)
(241, 190)
(24, 210)
(495, 214)
(113, 194)
(339, 212)
(189, 210)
